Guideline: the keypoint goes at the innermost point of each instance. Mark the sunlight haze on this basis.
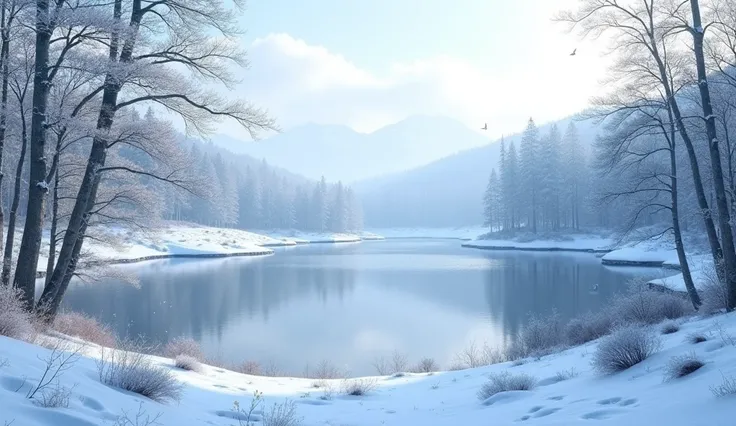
(370, 64)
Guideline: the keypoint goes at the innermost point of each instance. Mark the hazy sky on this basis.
(367, 64)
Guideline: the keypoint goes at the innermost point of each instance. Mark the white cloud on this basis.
(299, 83)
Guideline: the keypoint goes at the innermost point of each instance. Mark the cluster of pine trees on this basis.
(543, 184)
(262, 197)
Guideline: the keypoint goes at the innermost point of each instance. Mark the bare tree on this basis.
(143, 69)
(73, 22)
(649, 29)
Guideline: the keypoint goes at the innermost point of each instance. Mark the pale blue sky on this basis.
(366, 64)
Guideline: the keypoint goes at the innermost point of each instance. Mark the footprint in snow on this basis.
(602, 414)
(618, 401)
(556, 398)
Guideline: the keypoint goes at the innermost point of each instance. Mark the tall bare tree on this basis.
(143, 69)
(650, 30)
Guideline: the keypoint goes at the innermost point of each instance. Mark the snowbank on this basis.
(700, 269)
(581, 243)
(568, 391)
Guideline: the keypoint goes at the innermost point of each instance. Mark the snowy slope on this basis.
(637, 396)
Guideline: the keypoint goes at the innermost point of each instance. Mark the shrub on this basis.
(624, 348)
(185, 362)
(713, 292)
(681, 366)
(386, 367)
(641, 305)
(131, 370)
(670, 327)
(475, 356)
(358, 387)
(540, 336)
(696, 338)
(252, 368)
(563, 375)
(504, 382)
(85, 327)
(426, 365)
(588, 327)
(282, 415)
(183, 346)
(726, 388)
(56, 396)
(15, 321)
(325, 370)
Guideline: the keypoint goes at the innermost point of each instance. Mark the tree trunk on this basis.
(25, 271)
(708, 223)
(8, 255)
(54, 229)
(68, 258)
(680, 247)
(724, 217)
(4, 58)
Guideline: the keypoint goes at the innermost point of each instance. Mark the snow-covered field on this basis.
(568, 391)
(177, 239)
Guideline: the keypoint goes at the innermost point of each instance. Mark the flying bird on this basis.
(485, 126)
(574, 52)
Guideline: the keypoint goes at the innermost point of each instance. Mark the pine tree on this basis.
(550, 182)
(574, 172)
(492, 202)
(512, 188)
(531, 173)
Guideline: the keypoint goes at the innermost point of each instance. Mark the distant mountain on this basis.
(445, 193)
(340, 153)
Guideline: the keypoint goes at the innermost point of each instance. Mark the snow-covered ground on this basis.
(568, 392)
(178, 239)
(588, 243)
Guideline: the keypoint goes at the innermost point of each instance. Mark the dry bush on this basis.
(426, 365)
(140, 418)
(252, 368)
(128, 368)
(15, 321)
(85, 327)
(588, 327)
(726, 388)
(358, 387)
(625, 348)
(563, 375)
(56, 396)
(474, 356)
(541, 335)
(282, 415)
(325, 370)
(183, 346)
(59, 360)
(713, 292)
(504, 382)
(386, 367)
(669, 327)
(186, 362)
(642, 305)
(696, 338)
(681, 366)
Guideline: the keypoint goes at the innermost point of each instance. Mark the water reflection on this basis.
(349, 303)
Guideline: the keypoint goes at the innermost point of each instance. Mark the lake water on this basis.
(350, 303)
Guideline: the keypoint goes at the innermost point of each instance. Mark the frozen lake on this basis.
(351, 303)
